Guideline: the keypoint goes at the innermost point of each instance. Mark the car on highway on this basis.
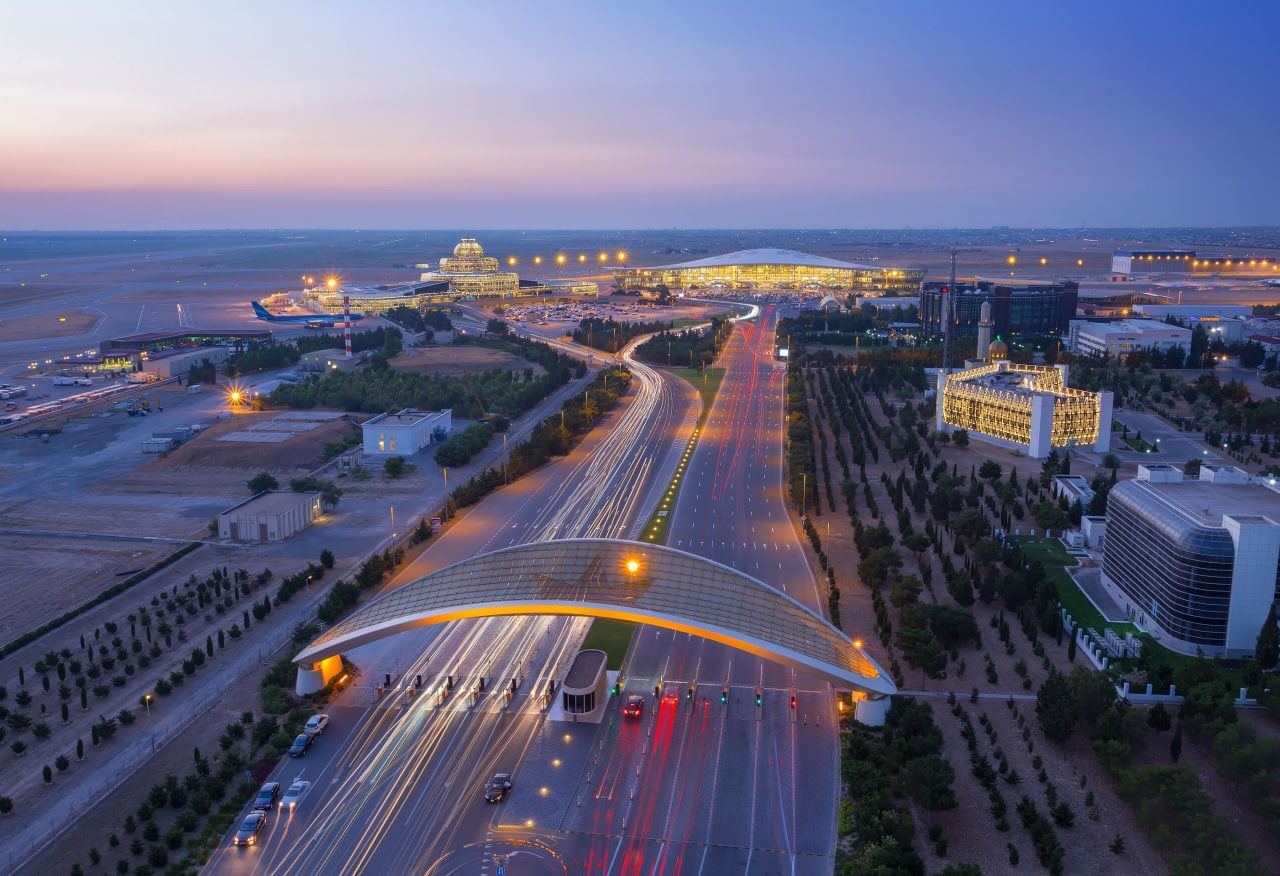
(316, 724)
(495, 790)
(267, 795)
(300, 745)
(252, 825)
(294, 794)
(634, 707)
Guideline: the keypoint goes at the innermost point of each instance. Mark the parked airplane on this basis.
(325, 322)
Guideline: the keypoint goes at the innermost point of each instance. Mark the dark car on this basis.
(495, 790)
(300, 745)
(252, 825)
(634, 707)
(267, 795)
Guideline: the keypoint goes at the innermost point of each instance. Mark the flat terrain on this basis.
(454, 360)
(302, 451)
(47, 325)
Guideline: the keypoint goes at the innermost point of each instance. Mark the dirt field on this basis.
(81, 568)
(47, 325)
(453, 361)
(303, 451)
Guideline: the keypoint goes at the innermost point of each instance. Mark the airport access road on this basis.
(397, 785)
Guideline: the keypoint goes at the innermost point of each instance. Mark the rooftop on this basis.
(407, 417)
(1204, 503)
(769, 256)
(272, 502)
(1130, 326)
(586, 668)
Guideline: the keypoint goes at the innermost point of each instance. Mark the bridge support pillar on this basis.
(313, 677)
(871, 709)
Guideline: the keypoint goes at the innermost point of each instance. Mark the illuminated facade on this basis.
(1024, 407)
(770, 269)
(472, 274)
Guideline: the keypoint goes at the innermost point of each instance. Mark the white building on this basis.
(270, 516)
(1193, 562)
(406, 432)
(1112, 339)
(1073, 488)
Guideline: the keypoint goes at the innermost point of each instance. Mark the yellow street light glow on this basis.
(1012, 260)
(511, 261)
(568, 737)
(331, 282)
(544, 791)
(604, 257)
(621, 255)
(537, 260)
(1080, 262)
(857, 643)
(1043, 260)
(633, 566)
(582, 257)
(560, 258)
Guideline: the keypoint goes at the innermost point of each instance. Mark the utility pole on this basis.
(947, 309)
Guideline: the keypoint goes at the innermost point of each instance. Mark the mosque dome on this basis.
(997, 350)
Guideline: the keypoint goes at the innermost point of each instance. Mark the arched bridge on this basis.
(626, 580)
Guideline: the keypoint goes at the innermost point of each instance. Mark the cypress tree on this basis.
(1175, 746)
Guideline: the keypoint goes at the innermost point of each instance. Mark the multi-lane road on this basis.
(695, 786)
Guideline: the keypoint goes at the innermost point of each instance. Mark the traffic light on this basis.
(693, 690)
(759, 698)
(617, 686)
(724, 693)
(793, 702)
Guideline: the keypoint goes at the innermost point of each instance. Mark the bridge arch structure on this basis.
(613, 578)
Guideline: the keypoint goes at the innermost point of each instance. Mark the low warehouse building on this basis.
(273, 515)
(405, 433)
(326, 361)
(167, 364)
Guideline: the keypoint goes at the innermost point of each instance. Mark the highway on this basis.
(693, 787)
(396, 788)
(701, 786)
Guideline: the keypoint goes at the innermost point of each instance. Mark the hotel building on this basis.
(1194, 562)
(1023, 407)
(770, 269)
(1114, 339)
(1029, 310)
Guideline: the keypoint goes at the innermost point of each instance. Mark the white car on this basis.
(316, 724)
(292, 796)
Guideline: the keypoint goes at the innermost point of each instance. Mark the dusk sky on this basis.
(632, 115)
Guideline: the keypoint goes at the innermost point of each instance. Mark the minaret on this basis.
(984, 329)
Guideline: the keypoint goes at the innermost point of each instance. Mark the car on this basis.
(300, 745)
(495, 790)
(267, 795)
(294, 794)
(252, 825)
(316, 724)
(634, 707)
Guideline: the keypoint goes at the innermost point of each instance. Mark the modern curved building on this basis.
(1194, 562)
(770, 269)
(618, 579)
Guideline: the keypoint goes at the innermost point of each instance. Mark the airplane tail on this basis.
(261, 312)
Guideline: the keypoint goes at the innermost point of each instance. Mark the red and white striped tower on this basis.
(346, 324)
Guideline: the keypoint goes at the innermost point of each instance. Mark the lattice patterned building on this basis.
(1024, 407)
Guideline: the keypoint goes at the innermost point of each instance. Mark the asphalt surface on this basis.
(397, 785)
(694, 786)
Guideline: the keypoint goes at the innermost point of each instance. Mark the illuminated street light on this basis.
(560, 258)
(604, 257)
(621, 256)
(331, 282)
(511, 260)
(537, 260)
(1012, 260)
(582, 257)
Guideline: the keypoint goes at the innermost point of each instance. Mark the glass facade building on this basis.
(1195, 563)
(1177, 572)
(771, 269)
(1032, 310)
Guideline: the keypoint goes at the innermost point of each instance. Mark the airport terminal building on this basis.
(770, 269)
